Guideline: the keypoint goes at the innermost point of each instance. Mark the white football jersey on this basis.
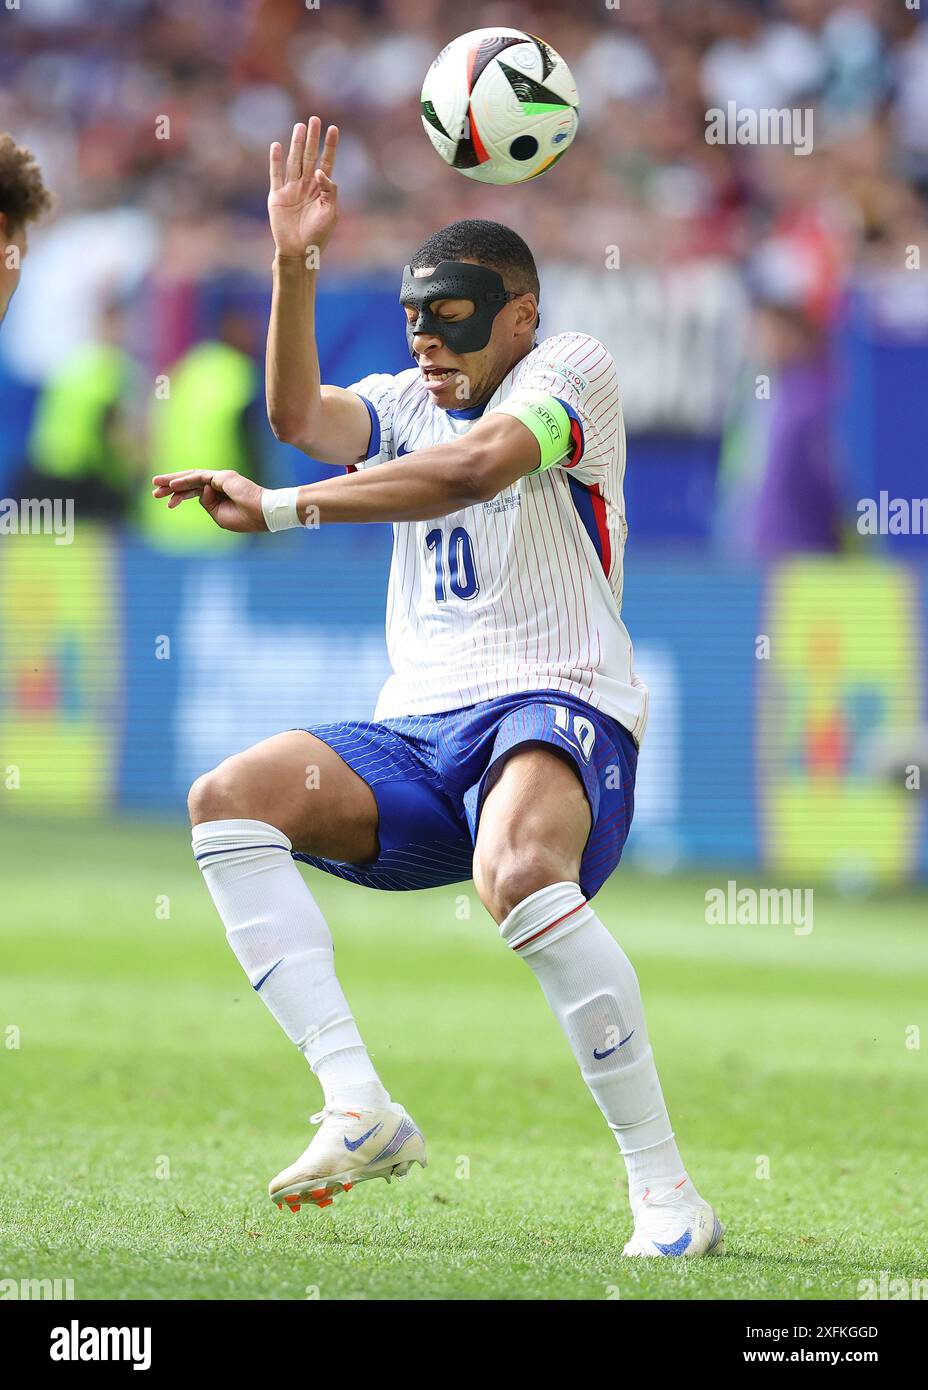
(522, 592)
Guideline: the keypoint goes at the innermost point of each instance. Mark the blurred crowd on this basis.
(163, 204)
(85, 81)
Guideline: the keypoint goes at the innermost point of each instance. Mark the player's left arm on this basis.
(429, 483)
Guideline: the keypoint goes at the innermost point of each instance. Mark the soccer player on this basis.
(504, 746)
(23, 199)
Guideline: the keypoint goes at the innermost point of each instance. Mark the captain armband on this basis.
(547, 419)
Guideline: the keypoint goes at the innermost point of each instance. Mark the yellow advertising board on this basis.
(843, 673)
(59, 672)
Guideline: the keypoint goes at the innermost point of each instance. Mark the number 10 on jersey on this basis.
(461, 571)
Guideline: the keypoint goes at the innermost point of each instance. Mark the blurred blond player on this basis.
(505, 744)
(23, 199)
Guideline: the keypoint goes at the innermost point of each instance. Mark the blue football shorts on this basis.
(430, 773)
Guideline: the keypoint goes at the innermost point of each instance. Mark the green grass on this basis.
(143, 1051)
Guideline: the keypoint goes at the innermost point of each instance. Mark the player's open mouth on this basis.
(435, 378)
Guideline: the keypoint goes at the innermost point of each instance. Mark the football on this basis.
(499, 105)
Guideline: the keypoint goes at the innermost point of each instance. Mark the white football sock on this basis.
(593, 991)
(281, 939)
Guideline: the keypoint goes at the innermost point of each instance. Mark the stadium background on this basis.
(160, 245)
(138, 656)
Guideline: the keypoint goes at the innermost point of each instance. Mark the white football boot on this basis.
(675, 1221)
(350, 1147)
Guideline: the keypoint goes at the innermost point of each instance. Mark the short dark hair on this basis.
(489, 243)
(23, 195)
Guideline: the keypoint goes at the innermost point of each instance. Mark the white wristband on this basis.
(279, 508)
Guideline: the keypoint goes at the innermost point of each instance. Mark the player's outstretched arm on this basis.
(419, 487)
(428, 483)
(327, 422)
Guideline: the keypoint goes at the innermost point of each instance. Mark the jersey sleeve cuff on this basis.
(373, 448)
(577, 438)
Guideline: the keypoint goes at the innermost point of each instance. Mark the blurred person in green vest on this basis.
(210, 416)
(84, 439)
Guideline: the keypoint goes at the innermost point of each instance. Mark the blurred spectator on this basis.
(798, 505)
(777, 487)
(84, 444)
(211, 417)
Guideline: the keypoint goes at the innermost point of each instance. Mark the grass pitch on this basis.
(147, 1095)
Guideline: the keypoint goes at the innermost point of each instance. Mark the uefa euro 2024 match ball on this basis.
(499, 105)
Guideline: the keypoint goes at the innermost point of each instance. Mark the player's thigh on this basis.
(534, 825)
(301, 786)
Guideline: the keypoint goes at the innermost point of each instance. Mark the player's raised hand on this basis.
(303, 202)
(232, 501)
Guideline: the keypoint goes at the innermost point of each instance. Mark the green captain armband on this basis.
(546, 418)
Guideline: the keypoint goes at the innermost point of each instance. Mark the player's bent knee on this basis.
(506, 878)
(221, 794)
